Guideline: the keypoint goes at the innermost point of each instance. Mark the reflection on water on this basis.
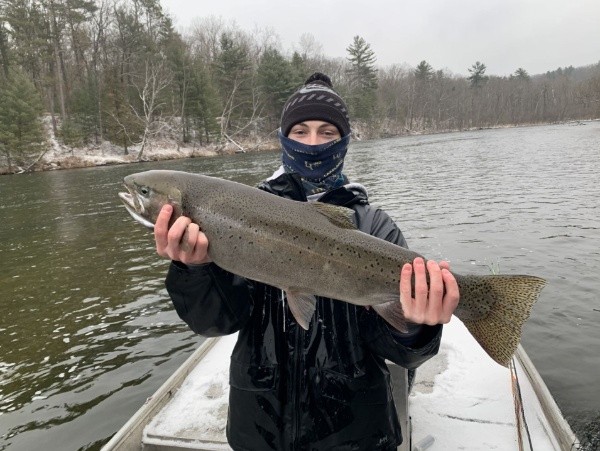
(87, 331)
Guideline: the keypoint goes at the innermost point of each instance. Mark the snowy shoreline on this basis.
(60, 156)
(165, 147)
(64, 157)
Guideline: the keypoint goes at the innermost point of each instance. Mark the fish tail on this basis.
(494, 309)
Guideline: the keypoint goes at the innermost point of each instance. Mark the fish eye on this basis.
(144, 190)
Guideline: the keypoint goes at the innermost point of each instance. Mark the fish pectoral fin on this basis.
(392, 312)
(302, 306)
(340, 216)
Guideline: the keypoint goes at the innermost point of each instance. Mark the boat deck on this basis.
(461, 399)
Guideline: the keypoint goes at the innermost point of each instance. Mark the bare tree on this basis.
(149, 88)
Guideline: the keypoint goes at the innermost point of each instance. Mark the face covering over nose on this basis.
(320, 164)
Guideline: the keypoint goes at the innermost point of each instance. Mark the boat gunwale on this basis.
(129, 437)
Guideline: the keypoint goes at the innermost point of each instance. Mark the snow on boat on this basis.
(460, 399)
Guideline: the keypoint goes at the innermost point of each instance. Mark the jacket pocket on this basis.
(252, 377)
(353, 390)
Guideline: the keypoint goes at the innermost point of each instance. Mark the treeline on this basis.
(118, 71)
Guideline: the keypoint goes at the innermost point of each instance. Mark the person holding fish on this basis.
(322, 383)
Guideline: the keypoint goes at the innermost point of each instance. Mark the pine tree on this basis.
(4, 59)
(232, 70)
(521, 74)
(363, 78)
(477, 77)
(21, 131)
(277, 82)
(424, 71)
(419, 102)
(299, 69)
(202, 106)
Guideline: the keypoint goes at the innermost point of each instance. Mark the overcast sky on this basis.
(538, 35)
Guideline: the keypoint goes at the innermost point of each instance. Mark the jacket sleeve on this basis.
(210, 300)
(422, 342)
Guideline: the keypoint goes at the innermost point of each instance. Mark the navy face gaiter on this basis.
(316, 164)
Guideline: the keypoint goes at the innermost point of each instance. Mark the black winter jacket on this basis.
(327, 388)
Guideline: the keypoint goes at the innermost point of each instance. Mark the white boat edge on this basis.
(129, 437)
(559, 425)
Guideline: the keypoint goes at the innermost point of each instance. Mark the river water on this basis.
(87, 331)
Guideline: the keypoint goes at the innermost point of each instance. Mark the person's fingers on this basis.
(161, 228)
(436, 292)
(189, 238)
(175, 235)
(451, 296)
(421, 290)
(406, 298)
(200, 254)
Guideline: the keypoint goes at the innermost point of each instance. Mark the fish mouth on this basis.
(134, 207)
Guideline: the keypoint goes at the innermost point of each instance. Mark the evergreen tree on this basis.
(299, 69)
(424, 71)
(521, 74)
(21, 131)
(4, 60)
(120, 123)
(277, 82)
(363, 78)
(202, 106)
(419, 99)
(233, 75)
(477, 77)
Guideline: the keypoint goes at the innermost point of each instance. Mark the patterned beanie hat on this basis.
(315, 100)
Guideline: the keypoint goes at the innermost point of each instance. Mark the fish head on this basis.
(147, 193)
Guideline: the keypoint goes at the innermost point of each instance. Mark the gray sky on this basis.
(538, 35)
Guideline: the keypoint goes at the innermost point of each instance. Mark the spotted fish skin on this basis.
(314, 249)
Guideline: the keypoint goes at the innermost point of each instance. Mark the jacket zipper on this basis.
(297, 385)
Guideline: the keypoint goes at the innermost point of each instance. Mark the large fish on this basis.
(310, 249)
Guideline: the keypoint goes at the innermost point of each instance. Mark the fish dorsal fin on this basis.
(302, 306)
(340, 216)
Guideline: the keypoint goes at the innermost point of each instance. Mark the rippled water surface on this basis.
(87, 331)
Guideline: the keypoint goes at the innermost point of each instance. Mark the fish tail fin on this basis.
(494, 309)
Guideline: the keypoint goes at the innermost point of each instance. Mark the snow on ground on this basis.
(60, 156)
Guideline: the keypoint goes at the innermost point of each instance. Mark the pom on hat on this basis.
(318, 76)
(315, 100)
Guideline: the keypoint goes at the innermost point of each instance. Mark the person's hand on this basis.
(182, 242)
(433, 304)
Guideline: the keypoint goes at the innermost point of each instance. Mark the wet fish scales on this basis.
(314, 249)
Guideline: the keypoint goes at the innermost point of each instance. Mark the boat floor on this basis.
(460, 399)
(463, 400)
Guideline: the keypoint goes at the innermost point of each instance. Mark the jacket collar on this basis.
(289, 185)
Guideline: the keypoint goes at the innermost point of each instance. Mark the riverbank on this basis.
(63, 157)
(59, 156)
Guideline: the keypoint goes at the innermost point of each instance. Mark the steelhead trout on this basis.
(314, 249)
